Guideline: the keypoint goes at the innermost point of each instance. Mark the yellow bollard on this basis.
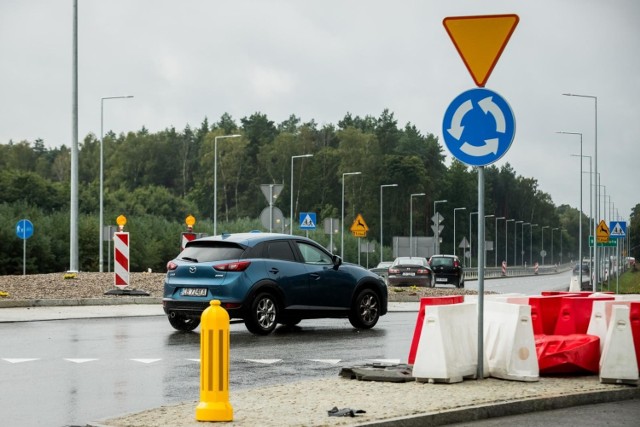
(214, 365)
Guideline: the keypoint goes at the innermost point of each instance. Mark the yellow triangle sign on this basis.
(480, 41)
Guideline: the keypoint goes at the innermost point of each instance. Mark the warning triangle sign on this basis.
(480, 41)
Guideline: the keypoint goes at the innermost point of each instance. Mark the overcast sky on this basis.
(186, 60)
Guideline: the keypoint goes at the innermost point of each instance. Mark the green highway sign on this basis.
(611, 242)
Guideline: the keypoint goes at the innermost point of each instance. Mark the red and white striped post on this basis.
(188, 235)
(504, 268)
(121, 254)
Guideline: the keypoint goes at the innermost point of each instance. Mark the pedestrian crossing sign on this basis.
(618, 229)
(307, 220)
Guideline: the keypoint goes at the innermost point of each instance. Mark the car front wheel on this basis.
(183, 323)
(263, 314)
(366, 310)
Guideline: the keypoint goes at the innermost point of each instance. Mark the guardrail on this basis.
(471, 273)
(496, 272)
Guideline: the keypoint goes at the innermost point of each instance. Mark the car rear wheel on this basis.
(183, 323)
(263, 314)
(365, 311)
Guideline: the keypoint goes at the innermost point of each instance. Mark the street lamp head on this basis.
(351, 173)
(440, 201)
(418, 194)
(389, 185)
(489, 216)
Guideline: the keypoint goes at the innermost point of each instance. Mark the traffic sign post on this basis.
(24, 230)
(479, 126)
(488, 130)
(359, 227)
(307, 220)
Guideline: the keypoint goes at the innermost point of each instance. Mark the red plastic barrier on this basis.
(634, 317)
(575, 314)
(544, 313)
(568, 354)
(454, 299)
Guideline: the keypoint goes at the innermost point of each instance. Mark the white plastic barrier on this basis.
(618, 362)
(448, 346)
(509, 343)
(599, 322)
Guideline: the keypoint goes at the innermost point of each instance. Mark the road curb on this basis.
(79, 302)
(502, 409)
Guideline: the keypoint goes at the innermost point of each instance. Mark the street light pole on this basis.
(485, 258)
(455, 249)
(595, 156)
(215, 179)
(579, 213)
(342, 223)
(522, 241)
(515, 240)
(381, 187)
(101, 220)
(506, 242)
(531, 243)
(552, 230)
(437, 230)
(291, 208)
(495, 250)
(411, 221)
(542, 245)
(470, 240)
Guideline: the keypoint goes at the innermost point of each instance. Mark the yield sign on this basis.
(480, 41)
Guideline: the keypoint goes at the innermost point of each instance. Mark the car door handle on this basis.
(315, 276)
(274, 270)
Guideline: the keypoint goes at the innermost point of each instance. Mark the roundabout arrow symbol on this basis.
(490, 107)
(456, 128)
(490, 146)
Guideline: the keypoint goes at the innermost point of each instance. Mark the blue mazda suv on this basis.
(266, 279)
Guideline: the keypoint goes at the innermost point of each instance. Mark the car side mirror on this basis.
(337, 261)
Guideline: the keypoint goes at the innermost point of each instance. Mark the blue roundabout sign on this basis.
(478, 127)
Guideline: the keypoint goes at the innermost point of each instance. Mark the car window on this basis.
(313, 255)
(207, 251)
(436, 261)
(280, 250)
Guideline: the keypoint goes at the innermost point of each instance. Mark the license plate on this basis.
(408, 274)
(193, 292)
(441, 279)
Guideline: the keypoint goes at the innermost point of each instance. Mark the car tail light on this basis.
(456, 264)
(423, 271)
(233, 266)
(394, 271)
(171, 266)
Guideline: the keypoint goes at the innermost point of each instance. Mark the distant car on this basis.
(382, 269)
(266, 279)
(407, 271)
(447, 270)
(575, 285)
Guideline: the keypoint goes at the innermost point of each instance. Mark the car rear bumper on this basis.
(408, 281)
(195, 308)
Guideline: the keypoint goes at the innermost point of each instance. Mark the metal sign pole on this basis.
(481, 256)
(24, 257)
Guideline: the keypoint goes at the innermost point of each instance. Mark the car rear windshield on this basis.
(436, 261)
(208, 251)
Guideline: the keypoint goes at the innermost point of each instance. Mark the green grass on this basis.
(629, 282)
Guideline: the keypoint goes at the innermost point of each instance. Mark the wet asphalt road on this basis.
(67, 372)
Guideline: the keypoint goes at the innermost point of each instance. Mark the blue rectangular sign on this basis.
(307, 220)
(617, 229)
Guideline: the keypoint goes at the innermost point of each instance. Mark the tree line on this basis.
(157, 179)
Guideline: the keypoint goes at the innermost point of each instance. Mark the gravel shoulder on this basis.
(94, 285)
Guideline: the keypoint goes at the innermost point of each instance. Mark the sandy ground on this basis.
(307, 403)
